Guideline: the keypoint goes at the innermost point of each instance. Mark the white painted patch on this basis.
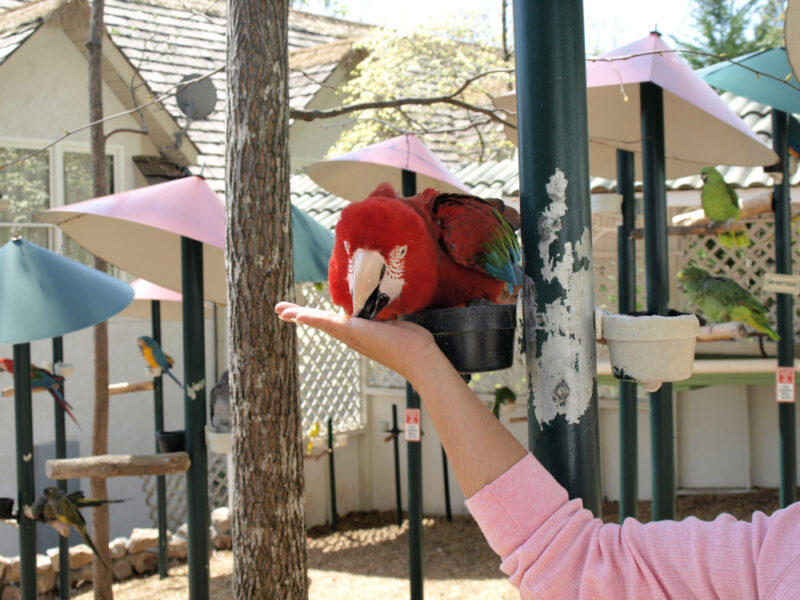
(561, 383)
(191, 390)
(27, 457)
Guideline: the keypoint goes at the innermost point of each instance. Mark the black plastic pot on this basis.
(171, 441)
(474, 338)
(6, 508)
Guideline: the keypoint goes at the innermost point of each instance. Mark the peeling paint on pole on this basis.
(564, 331)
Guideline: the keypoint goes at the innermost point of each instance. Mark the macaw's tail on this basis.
(64, 404)
(734, 239)
(175, 379)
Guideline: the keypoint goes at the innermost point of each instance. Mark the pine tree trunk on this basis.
(101, 576)
(268, 514)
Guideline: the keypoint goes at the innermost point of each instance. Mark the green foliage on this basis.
(424, 62)
(733, 28)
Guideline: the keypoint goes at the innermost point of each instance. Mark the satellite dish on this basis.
(196, 100)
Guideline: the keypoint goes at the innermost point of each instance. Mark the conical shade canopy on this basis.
(44, 295)
(354, 175)
(700, 129)
(144, 292)
(733, 76)
(791, 33)
(312, 248)
(140, 230)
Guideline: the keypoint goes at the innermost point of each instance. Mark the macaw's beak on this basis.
(704, 177)
(368, 271)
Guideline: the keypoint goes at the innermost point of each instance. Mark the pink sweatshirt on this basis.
(551, 547)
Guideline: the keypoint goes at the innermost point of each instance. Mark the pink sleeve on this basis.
(553, 548)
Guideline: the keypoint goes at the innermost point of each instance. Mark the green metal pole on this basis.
(448, 513)
(626, 293)
(61, 452)
(23, 414)
(332, 471)
(197, 516)
(556, 234)
(785, 309)
(409, 181)
(396, 443)
(657, 272)
(161, 480)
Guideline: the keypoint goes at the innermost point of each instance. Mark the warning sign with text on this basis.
(784, 384)
(413, 431)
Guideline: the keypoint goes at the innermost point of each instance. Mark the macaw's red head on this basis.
(6, 364)
(384, 259)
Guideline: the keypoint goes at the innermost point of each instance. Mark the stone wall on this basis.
(130, 557)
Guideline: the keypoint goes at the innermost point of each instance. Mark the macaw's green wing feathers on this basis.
(475, 235)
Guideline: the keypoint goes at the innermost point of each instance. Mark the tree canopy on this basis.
(733, 28)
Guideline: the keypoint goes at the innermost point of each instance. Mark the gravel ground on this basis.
(367, 557)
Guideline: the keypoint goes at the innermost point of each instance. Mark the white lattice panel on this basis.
(329, 372)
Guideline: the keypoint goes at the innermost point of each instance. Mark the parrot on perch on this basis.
(57, 509)
(155, 357)
(721, 204)
(722, 300)
(220, 400)
(42, 378)
(395, 256)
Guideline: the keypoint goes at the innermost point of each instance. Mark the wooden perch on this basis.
(117, 465)
(125, 387)
(749, 207)
(694, 229)
(723, 331)
(113, 389)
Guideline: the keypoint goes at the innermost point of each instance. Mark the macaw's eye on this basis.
(400, 251)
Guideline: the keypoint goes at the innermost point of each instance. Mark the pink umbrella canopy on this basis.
(144, 292)
(140, 230)
(700, 129)
(354, 175)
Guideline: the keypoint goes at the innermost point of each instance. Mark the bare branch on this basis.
(126, 130)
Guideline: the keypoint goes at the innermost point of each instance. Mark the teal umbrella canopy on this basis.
(778, 89)
(312, 248)
(44, 295)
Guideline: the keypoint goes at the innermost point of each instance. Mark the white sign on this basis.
(784, 384)
(781, 284)
(413, 432)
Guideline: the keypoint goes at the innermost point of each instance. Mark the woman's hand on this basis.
(403, 347)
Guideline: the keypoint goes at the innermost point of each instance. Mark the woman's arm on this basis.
(478, 447)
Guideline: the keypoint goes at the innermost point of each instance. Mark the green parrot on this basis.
(64, 509)
(502, 395)
(721, 204)
(722, 300)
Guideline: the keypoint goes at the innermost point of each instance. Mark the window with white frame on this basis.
(61, 175)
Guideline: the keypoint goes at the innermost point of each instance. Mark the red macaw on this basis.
(42, 378)
(395, 256)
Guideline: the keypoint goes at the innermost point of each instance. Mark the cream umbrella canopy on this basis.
(700, 129)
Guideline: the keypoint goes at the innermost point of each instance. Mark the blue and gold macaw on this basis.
(156, 357)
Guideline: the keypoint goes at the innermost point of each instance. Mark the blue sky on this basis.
(608, 23)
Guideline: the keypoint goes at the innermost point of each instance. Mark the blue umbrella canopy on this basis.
(43, 294)
(312, 247)
(778, 89)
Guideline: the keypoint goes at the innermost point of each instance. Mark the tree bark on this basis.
(268, 513)
(101, 575)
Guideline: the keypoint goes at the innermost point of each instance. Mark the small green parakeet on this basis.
(65, 510)
(721, 204)
(723, 300)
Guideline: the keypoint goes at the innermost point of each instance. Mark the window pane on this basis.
(25, 186)
(78, 187)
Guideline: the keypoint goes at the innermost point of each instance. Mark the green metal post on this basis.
(657, 272)
(409, 181)
(556, 233)
(332, 471)
(61, 452)
(626, 293)
(785, 309)
(448, 513)
(23, 414)
(395, 431)
(161, 480)
(197, 516)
